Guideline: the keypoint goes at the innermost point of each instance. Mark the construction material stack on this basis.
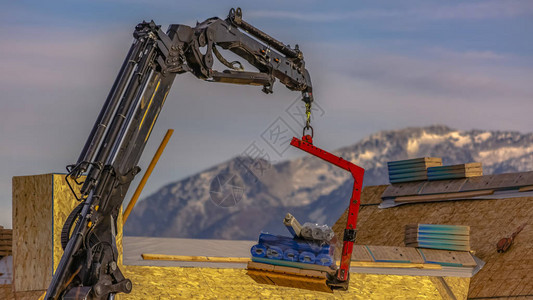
(411, 169)
(444, 237)
(455, 171)
(310, 244)
(308, 254)
(6, 242)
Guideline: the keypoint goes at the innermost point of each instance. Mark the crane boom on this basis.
(88, 268)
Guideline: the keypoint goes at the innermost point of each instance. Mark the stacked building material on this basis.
(411, 169)
(445, 237)
(6, 242)
(309, 244)
(455, 171)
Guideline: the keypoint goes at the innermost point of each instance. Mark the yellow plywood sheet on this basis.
(63, 203)
(459, 286)
(211, 283)
(41, 204)
(32, 228)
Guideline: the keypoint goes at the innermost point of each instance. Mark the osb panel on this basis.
(372, 194)
(64, 203)
(505, 274)
(209, 283)
(369, 195)
(459, 286)
(41, 204)
(32, 228)
(6, 293)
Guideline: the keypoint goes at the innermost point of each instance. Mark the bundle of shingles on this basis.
(455, 171)
(411, 169)
(445, 237)
(430, 168)
(6, 242)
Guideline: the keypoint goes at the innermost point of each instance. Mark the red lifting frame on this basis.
(351, 224)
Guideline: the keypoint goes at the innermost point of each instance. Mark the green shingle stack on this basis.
(455, 171)
(445, 237)
(411, 169)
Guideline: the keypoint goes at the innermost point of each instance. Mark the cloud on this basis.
(466, 11)
(467, 55)
(469, 75)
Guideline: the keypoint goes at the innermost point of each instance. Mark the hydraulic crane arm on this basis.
(88, 268)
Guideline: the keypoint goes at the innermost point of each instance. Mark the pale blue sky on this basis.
(375, 65)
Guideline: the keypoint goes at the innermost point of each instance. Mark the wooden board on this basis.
(6, 243)
(213, 259)
(448, 258)
(287, 270)
(440, 197)
(360, 253)
(289, 280)
(394, 254)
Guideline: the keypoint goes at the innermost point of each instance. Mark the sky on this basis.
(375, 65)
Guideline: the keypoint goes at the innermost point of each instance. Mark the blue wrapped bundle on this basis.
(324, 260)
(291, 255)
(274, 252)
(258, 250)
(307, 257)
(277, 240)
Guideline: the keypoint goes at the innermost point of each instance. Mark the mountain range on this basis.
(308, 188)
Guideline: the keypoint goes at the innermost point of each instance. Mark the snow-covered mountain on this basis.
(311, 189)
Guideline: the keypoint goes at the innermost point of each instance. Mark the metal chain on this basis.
(308, 114)
(308, 117)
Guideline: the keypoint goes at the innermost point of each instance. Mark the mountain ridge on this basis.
(311, 189)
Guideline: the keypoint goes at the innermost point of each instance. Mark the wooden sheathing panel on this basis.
(369, 195)
(403, 189)
(372, 194)
(41, 204)
(63, 203)
(32, 229)
(489, 221)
